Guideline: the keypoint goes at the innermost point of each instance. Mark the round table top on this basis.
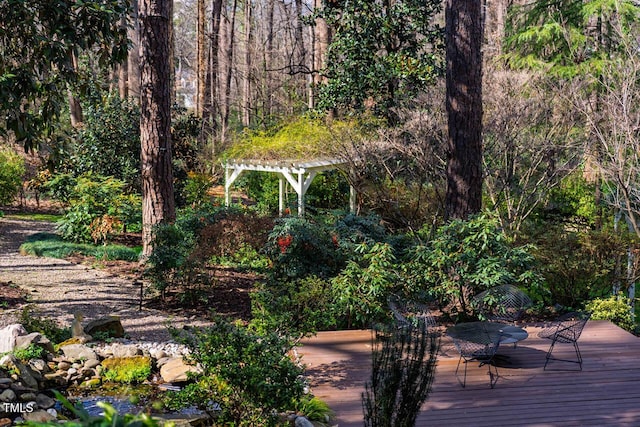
(478, 332)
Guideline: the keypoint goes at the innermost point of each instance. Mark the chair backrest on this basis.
(501, 303)
(482, 346)
(410, 313)
(570, 326)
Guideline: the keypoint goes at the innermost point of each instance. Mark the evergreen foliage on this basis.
(382, 54)
(38, 41)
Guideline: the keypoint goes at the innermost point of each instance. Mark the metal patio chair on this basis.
(566, 329)
(481, 348)
(503, 303)
(410, 313)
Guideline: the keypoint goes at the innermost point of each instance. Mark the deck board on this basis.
(605, 393)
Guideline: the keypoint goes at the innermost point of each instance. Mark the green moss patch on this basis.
(128, 370)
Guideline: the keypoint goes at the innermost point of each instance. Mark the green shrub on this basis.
(361, 289)
(183, 250)
(300, 247)
(195, 189)
(108, 143)
(32, 321)
(98, 208)
(467, 257)
(297, 307)
(616, 308)
(12, 169)
(251, 376)
(579, 265)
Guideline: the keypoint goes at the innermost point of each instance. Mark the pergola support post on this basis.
(280, 195)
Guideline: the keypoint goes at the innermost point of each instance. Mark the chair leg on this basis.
(493, 376)
(553, 343)
(578, 354)
(464, 382)
(576, 349)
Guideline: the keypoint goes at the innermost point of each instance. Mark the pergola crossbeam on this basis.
(299, 174)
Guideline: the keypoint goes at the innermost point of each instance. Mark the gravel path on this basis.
(59, 288)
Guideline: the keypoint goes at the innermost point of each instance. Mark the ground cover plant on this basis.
(52, 245)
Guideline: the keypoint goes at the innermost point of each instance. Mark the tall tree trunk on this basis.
(464, 107)
(75, 108)
(201, 61)
(123, 80)
(246, 78)
(322, 38)
(158, 205)
(210, 106)
(226, 101)
(123, 69)
(133, 62)
(267, 61)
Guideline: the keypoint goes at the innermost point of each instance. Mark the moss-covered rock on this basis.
(127, 370)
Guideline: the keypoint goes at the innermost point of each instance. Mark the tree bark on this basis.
(158, 205)
(246, 78)
(133, 62)
(75, 108)
(226, 101)
(201, 64)
(464, 107)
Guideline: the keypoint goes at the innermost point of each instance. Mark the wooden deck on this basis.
(605, 393)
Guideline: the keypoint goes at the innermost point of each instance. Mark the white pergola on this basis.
(299, 174)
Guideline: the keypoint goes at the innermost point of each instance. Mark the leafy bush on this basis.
(300, 247)
(11, 171)
(98, 208)
(467, 257)
(251, 376)
(314, 409)
(361, 289)
(579, 265)
(297, 307)
(616, 308)
(32, 321)
(195, 189)
(108, 144)
(183, 250)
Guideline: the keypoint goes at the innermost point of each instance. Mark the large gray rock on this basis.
(44, 401)
(175, 370)
(35, 338)
(125, 350)
(75, 352)
(107, 324)
(8, 336)
(8, 395)
(27, 375)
